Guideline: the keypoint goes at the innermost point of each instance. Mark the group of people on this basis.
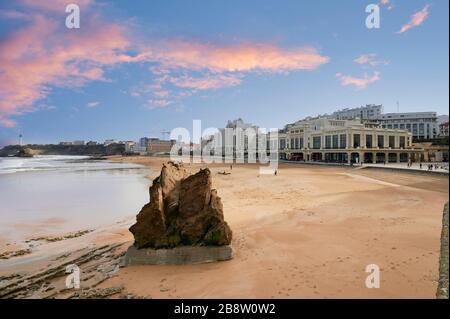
(430, 167)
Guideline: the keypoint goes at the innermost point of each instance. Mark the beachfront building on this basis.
(422, 125)
(370, 111)
(130, 146)
(443, 129)
(344, 141)
(431, 152)
(110, 141)
(156, 145)
(232, 138)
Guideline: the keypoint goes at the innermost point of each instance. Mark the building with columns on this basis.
(345, 141)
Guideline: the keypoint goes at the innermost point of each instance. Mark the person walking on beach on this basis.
(231, 167)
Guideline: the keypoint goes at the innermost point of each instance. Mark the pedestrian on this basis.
(276, 172)
(231, 167)
(420, 165)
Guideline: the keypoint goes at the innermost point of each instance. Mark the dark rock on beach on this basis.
(183, 211)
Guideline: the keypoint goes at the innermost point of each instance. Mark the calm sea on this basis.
(48, 195)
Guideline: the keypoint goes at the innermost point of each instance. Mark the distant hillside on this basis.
(52, 149)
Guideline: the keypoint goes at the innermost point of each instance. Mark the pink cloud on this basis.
(42, 55)
(13, 14)
(218, 66)
(54, 5)
(358, 82)
(416, 20)
(387, 3)
(238, 58)
(161, 93)
(369, 59)
(207, 82)
(158, 103)
(93, 104)
(7, 122)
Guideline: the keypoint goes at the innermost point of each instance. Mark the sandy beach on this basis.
(308, 232)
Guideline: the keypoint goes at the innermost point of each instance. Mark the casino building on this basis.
(345, 141)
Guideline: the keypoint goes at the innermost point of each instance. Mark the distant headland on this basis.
(54, 149)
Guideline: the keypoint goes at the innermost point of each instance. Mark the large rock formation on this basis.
(183, 210)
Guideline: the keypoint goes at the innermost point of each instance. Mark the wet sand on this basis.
(307, 233)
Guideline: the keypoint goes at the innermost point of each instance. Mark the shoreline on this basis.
(279, 222)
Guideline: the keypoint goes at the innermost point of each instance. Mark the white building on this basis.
(110, 141)
(233, 137)
(370, 111)
(422, 125)
(443, 129)
(130, 146)
(344, 141)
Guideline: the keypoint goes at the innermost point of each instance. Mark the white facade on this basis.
(231, 139)
(422, 125)
(344, 141)
(370, 111)
(109, 142)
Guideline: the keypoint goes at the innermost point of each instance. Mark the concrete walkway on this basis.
(442, 167)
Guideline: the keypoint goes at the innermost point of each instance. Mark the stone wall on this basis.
(442, 291)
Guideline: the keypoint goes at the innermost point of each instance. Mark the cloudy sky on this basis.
(135, 68)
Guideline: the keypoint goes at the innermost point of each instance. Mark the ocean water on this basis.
(48, 195)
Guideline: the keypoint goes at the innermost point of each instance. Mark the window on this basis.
(282, 144)
(356, 140)
(335, 141)
(296, 143)
(380, 141)
(402, 142)
(343, 141)
(301, 142)
(392, 141)
(316, 142)
(369, 141)
(292, 143)
(328, 141)
(421, 129)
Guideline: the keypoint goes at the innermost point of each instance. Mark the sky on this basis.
(137, 68)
